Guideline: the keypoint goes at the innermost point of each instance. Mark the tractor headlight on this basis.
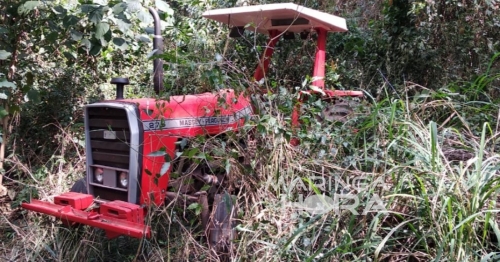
(98, 174)
(123, 179)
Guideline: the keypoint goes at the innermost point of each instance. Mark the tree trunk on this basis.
(5, 123)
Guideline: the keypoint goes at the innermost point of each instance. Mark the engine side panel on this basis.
(165, 122)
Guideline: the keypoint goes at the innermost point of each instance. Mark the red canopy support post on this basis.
(263, 65)
(319, 62)
(318, 75)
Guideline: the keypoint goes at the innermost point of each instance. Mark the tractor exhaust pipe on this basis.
(158, 46)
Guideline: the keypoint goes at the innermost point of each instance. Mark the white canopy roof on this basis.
(283, 17)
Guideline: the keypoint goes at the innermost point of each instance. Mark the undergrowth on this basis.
(437, 183)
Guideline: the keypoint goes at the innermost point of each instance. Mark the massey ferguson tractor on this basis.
(133, 146)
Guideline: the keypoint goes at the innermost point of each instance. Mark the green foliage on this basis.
(25, 195)
(406, 42)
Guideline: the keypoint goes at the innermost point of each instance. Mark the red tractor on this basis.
(134, 145)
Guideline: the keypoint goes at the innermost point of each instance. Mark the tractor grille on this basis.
(109, 152)
(109, 134)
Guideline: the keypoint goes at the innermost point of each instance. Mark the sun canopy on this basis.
(282, 17)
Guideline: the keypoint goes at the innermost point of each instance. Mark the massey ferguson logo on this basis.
(196, 121)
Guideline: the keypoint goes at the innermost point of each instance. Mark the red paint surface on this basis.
(224, 103)
(114, 225)
(319, 62)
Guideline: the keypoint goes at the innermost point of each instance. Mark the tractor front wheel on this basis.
(221, 231)
(79, 187)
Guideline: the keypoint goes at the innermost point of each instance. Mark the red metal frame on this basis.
(115, 217)
(319, 61)
(319, 80)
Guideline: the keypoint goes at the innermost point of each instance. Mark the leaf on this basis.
(103, 42)
(52, 37)
(193, 206)
(134, 5)
(28, 6)
(143, 38)
(76, 36)
(4, 54)
(157, 153)
(164, 7)
(30, 78)
(96, 49)
(33, 96)
(3, 112)
(70, 20)
(191, 152)
(201, 155)
(196, 207)
(60, 11)
(145, 17)
(3, 30)
(119, 8)
(164, 168)
(317, 89)
(70, 55)
(101, 29)
(123, 25)
(183, 143)
(149, 30)
(96, 16)
(14, 109)
(5, 83)
(151, 54)
(120, 43)
(87, 43)
(88, 8)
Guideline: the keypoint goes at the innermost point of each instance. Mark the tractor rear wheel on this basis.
(221, 231)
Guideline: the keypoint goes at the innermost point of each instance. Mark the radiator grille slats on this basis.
(109, 134)
(109, 152)
(109, 157)
(104, 123)
(105, 145)
(97, 134)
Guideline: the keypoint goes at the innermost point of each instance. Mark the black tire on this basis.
(221, 232)
(79, 187)
(337, 112)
